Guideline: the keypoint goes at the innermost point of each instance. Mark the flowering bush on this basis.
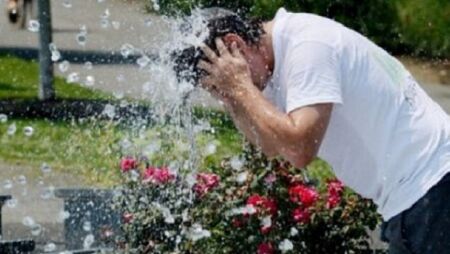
(251, 205)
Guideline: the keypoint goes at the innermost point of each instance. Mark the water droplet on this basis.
(118, 95)
(109, 111)
(88, 241)
(242, 177)
(67, 3)
(73, 77)
(104, 23)
(56, 55)
(155, 6)
(28, 131)
(105, 14)
(33, 26)
(87, 226)
(7, 184)
(143, 61)
(147, 87)
(236, 163)
(45, 168)
(64, 66)
(62, 216)
(126, 49)
(148, 22)
(286, 245)
(116, 25)
(49, 247)
(28, 221)
(196, 232)
(293, 231)
(11, 129)
(12, 203)
(3, 118)
(48, 192)
(211, 148)
(89, 81)
(88, 65)
(36, 229)
(22, 179)
(120, 78)
(81, 38)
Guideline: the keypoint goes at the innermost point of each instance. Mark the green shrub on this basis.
(418, 27)
(424, 26)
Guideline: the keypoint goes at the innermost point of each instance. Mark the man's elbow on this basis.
(300, 159)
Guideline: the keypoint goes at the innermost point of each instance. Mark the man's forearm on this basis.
(260, 121)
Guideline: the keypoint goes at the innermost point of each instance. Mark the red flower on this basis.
(127, 164)
(301, 215)
(157, 175)
(205, 182)
(262, 204)
(265, 248)
(237, 223)
(127, 217)
(265, 229)
(333, 201)
(301, 193)
(335, 187)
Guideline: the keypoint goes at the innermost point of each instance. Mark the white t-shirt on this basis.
(386, 138)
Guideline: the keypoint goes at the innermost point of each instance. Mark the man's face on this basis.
(258, 65)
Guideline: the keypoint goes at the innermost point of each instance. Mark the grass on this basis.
(19, 79)
(90, 149)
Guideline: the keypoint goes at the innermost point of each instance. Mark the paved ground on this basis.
(33, 203)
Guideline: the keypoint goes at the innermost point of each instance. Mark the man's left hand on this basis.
(228, 72)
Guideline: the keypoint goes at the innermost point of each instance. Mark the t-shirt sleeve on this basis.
(313, 76)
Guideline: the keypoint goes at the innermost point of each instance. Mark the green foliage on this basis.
(425, 26)
(420, 27)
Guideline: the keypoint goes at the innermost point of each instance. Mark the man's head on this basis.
(247, 34)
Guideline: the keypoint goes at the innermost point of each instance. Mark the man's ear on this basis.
(228, 39)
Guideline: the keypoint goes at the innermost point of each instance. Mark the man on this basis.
(302, 86)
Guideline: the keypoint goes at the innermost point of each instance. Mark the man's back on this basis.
(386, 138)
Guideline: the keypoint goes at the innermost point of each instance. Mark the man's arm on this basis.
(295, 136)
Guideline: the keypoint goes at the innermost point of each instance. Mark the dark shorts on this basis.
(425, 227)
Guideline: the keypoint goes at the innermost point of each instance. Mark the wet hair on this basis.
(223, 22)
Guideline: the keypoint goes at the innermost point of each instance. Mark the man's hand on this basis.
(228, 72)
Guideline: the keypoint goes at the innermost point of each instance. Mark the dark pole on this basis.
(46, 91)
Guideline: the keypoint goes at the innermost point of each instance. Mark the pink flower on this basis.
(333, 201)
(265, 248)
(205, 182)
(335, 187)
(157, 175)
(262, 204)
(127, 164)
(305, 195)
(265, 229)
(237, 223)
(127, 217)
(301, 215)
(270, 179)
